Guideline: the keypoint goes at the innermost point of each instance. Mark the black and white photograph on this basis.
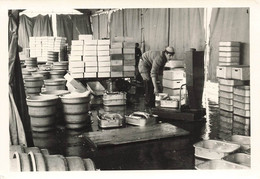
(95, 87)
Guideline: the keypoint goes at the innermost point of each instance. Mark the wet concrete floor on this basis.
(163, 154)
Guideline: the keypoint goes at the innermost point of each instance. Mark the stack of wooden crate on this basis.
(103, 58)
(173, 78)
(123, 57)
(231, 75)
(76, 65)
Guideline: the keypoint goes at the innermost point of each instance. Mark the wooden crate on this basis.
(241, 73)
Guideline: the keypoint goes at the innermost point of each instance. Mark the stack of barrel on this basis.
(58, 69)
(52, 57)
(42, 111)
(76, 110)
(26, 159)
(31, 62)
(33, 85)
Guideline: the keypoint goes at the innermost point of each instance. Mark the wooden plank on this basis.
(134, 134)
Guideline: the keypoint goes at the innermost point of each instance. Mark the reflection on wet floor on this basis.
(169, 153)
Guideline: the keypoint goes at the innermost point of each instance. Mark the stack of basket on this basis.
(26, 159)
(231, 75)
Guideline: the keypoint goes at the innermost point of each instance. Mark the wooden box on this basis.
(104, 69)
(230, 43)
(116, 51)
(103, 74)
(229, 49)
(90, 53)
(175, 74)
(128, 68)
(241, 99)
(104, 59)
(224, 72)
(90, 42)
(104, 64)
(226, 113)
(91, 69)
(103, 53)
(76, 64)
(230, 82)
(116, 62)
(226, 107)
(226, 101)
(242, 120)
(116, 74)
(103, 47)
(172, 84)
(241, 73)
(245, 106)
(128, 51)
(90, 58)
(103, 42)
(227, 95)
(241, 112)
(129, 73)
(91, 63)
(90, 47)
(226, 88)
(242, 91)
(90, 75)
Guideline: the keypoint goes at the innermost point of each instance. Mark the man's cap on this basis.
(170, 50)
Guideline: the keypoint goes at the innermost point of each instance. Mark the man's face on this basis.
(169, 56)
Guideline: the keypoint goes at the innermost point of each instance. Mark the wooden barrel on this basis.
(42, 110)
(75, 164)
(54, 74)
(44, 74)
(63, 65)
(56, 163)
(76, 108)
(38, 161)
(33, 82)
(55, 84)
(31, 62)
(52, 56)
(46, 140)
(15, 148)
(24, 161)
(89, 164)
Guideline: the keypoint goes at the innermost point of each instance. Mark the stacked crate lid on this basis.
(123, 56)
(103, 59)
(116, 51)
(89, 55)
(76, 65)
(129, 57)
(40, 46)
(229, 60)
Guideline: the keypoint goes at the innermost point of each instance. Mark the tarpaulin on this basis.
(132, 24)
(186, 30)
(155, 29)
(19, 121)
(42, 26)
(71, 26)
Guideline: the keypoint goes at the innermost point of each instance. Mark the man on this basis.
(151, 67)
